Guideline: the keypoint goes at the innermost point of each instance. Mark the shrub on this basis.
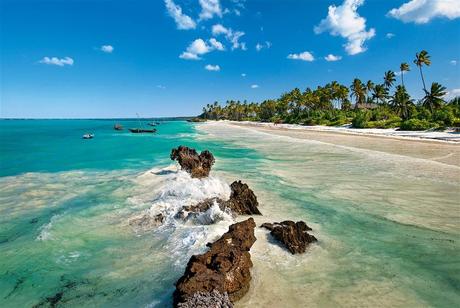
(416, 124)
(360, 120)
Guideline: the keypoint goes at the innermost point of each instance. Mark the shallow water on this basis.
(388, 225)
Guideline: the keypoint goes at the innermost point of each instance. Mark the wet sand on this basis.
(434, 150)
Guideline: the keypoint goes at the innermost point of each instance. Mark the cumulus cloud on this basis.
(254, 86)
(159, 86)
(199, 47)
(57, 61)
(214, 68)
(422, 11)
(232, 36)
(453, 62)
(332, 58)
(216, 44)
(209, 8)
(107, 48)
(260, 46)
(452, 94)
(304, 56)
(345, 21)
(183, 22)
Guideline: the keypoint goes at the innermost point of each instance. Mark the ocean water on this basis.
(388, 226)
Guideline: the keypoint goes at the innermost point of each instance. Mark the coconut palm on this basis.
(422, 58)
(388, 79)
(434, 98)
(358, 91)
(380, 93)
(404, 67)
(401, 101)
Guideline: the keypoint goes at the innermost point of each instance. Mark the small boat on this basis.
(152, 124)
(118, 127)
(88, 136)
(141, 130)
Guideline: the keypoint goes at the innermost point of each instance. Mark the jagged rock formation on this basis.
(213, 299)
(225, 267)
(242, 201)
(198, 165)
(293, 235)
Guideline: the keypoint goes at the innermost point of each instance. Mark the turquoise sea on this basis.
(388, 225)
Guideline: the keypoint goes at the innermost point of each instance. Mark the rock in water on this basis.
(293, 235)
(189, 160)
(242, 199)
(224, 268)
(213, 299)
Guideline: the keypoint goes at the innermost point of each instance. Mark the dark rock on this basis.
(293, 235)
(198, 165)
(242, 200)
(213, 299)
(146, 221)
(225, 267)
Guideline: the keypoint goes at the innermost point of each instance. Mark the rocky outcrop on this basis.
(242, 200)
(213, 299)
(224, 268)
(198, 165)
(293, 235)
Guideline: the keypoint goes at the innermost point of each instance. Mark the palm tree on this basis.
(401, 101)
(404, 67)
(388, 79)
(380, 93)
(433, 99)
(422, 58)
(358, 91)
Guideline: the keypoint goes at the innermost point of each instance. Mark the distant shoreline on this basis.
(184, 118)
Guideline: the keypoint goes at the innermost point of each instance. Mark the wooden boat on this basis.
(88, 136)
(118, 127)
(141, 130)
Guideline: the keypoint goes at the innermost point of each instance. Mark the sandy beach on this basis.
(432, 146)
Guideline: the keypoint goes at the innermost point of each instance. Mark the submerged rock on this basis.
(225, 267)
(198, 165)
(146, 221)
(213, 299)
(293, 235)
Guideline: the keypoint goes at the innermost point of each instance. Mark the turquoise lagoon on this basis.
(388, 225)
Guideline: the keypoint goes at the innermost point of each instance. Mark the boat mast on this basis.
(139, 120)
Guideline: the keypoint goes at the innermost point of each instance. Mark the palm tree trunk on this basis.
(402, 78)
(423, 80)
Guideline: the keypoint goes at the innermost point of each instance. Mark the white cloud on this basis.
(243, 75)
(107, 48)
(219, 29)
(209, 8)
(159, 86)
(216, 44)
(183, 22)
(332, 58)
(260, 46)
(422, 11)
(452, 94)
(57, 61)
(304, 56)
(453, 62)
(214, 68)
(232, 36)
(200, 47)
(345, 21)
(390, 35)
(254, 86)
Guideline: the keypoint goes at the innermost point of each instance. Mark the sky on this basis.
(104, 59)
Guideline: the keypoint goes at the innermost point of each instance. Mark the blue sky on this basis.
(81, 58)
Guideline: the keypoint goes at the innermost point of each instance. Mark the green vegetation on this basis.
(364, 105)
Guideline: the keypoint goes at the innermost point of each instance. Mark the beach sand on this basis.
(447, 152)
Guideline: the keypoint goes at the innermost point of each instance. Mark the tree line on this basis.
(363, 104)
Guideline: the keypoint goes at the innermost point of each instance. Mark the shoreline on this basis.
(441, 151)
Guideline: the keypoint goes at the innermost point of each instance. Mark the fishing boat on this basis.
(141, 130)
(118, 127)
(88, 136)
